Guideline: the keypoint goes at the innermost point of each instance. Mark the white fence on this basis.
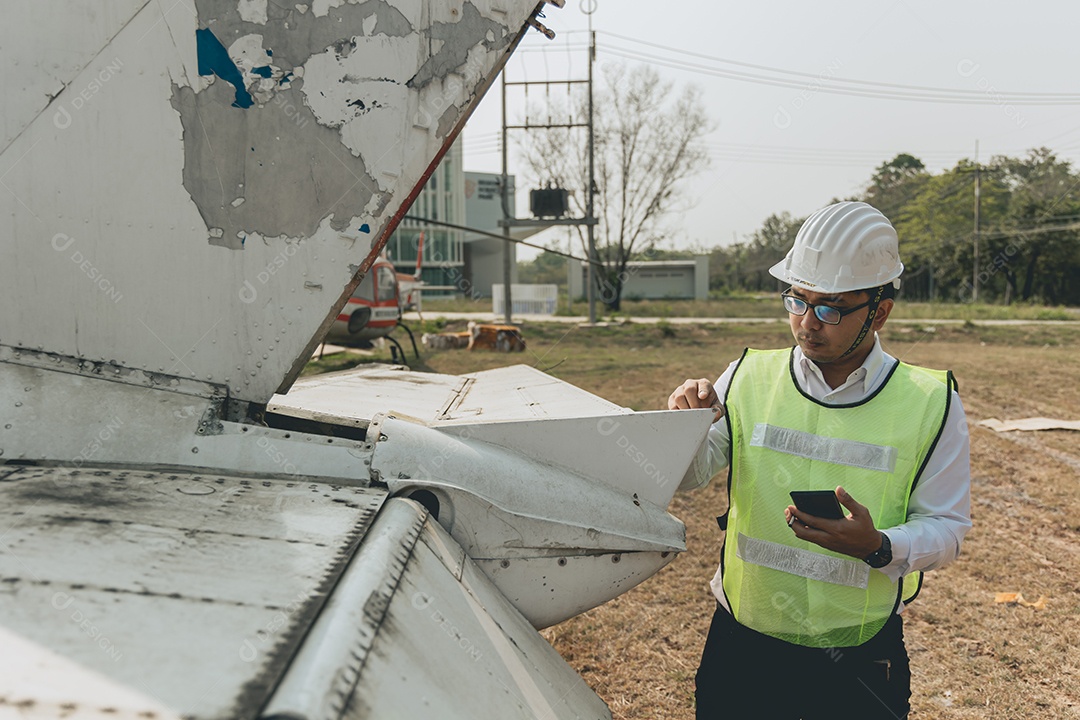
(525, 299)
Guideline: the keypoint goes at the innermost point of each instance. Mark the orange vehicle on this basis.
(373, 311)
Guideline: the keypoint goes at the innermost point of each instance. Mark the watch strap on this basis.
(883, 555)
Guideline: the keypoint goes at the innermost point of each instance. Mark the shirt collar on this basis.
(868, 374)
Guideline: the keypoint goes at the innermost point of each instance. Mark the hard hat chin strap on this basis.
(874, 303)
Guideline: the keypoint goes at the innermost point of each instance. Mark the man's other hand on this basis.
(698, 393)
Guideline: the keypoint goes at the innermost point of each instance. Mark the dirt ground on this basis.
(971, 657)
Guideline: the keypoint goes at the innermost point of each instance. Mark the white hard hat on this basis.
(843, 247)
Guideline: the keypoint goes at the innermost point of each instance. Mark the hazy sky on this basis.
(795, 148)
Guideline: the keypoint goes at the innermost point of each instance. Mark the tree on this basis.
(1027, 245)
(1029, 231)
(935, 227)
(647, 144)
(895, 183)
(546, 268)
(1044, 196)
(768, 245)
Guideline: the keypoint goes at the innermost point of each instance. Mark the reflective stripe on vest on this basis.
(783, 440)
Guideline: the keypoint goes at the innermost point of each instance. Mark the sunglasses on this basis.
(825, 313)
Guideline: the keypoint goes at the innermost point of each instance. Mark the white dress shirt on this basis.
(939, 511)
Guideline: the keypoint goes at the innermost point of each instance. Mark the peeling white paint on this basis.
(363, 93)
(248, 52)
(412, 10)
(285, 151)
(321, 8)
(302, 8)
(473, 70)
(369, 24)
(372, 211)
(374, 74)
(252, 11)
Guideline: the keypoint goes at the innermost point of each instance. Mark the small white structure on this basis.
(483, 211)
(654, 280)
(525, 299)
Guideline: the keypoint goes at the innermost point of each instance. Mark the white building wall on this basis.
(483, 211)
(673, 279)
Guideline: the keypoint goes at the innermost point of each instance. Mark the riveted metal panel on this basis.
(193, 590)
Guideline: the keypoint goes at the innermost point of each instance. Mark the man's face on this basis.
(825, 343)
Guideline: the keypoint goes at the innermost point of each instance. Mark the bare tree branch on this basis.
(648, 141)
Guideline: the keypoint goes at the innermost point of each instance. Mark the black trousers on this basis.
(745, 674)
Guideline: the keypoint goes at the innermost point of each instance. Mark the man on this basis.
(808, 619)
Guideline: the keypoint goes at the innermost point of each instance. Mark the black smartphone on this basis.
(819, 503)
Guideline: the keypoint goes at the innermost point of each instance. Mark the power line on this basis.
(861, 87)
(485, 233)
(825, 154)
(836, 151)
(757, 160)
(821, 84)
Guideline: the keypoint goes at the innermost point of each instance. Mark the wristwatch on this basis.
(882, 556)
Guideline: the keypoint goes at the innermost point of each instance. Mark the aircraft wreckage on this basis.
(190, 194)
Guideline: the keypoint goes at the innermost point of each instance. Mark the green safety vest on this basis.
(783, 440)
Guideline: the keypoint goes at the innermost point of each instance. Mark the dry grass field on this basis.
(971, 657)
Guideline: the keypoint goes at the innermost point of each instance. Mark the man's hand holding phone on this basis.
(853, 534)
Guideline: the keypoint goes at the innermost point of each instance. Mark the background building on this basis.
(457, 262)
(443, 198)
(655, 280)
(484, 210)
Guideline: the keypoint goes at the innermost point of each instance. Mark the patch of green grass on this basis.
(333, 363)
(973, 331)
(979, 311)
(637, 364)
(768, 306)
(455, 304)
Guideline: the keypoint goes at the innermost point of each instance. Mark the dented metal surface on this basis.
(235, 567)
(111, 372)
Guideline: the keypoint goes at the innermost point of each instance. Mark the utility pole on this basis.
(591, 203)
(589, 220)
(505, 187)
(978, 203)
